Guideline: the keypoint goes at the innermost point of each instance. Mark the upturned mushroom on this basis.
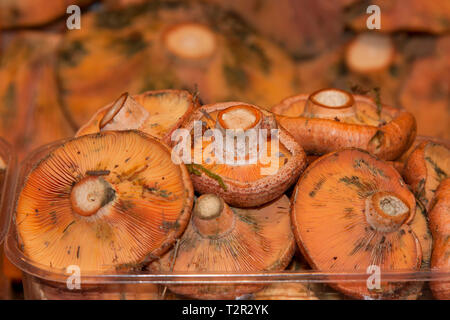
(440, 227)
(220, 238)
(106, 201)
(331, 119)
(427, 166)
(237, 150)
(352, 211)
(157, 113)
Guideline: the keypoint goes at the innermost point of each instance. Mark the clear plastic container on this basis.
(7, 188)
(40, 282)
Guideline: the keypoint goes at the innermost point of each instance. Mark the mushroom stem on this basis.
(212, 217)
(125, 113)
(329, 104)
(386, 212)
(91, 194)
(235, 123)
(190, 41)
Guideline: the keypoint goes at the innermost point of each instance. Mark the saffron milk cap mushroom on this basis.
(427, 166)
(103, 202)
(331, 119)
(223, 239)
(440, 227)
(238, 151)
(351, 211)
(157, 113)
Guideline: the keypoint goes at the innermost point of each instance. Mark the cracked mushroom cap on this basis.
(103, 201)
(427, 166)
(440, 227)
(222, 239)
(157, 113)
(260, 176)
(332, 119)
(362, 210)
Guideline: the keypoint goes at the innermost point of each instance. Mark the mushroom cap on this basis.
(257, 239)
(370, 52)
(248, 184)
(382, 130)
(440, 227)
(157, 113)
(427, 166)
(135, 201)
(231, 61)
(334, 203)
(419, 140)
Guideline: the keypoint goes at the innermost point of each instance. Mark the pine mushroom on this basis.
(440, 227)
(221, 238)
(157, 113)
(427, 166)
(351, 211)
(331, 119)
(103, 201)
(369, 53)
(224, 158)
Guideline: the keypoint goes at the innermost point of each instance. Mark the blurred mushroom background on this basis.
(53, 80)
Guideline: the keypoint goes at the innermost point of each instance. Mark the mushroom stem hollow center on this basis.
(91, 194)
(329, 104)
(386, 212)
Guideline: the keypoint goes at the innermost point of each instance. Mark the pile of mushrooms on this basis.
(119, 196)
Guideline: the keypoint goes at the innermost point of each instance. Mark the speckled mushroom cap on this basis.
(427, 166)
(157, 113)
(247, 184)
(103, 201)
(223, 239)
(440, 227)
(331, 119)
(351, 211)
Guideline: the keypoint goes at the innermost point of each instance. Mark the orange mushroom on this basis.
(157, 113)
(331, 119)
(440, 227)
(427, 166)
(103, 201)
(352, 211)
(220, 238)
(228, 162)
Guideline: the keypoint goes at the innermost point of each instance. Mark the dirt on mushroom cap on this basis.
(329, 207)
(148, 205)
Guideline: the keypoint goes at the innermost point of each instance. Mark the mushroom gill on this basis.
(103, 201)
(351, 211)
(224, 239)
